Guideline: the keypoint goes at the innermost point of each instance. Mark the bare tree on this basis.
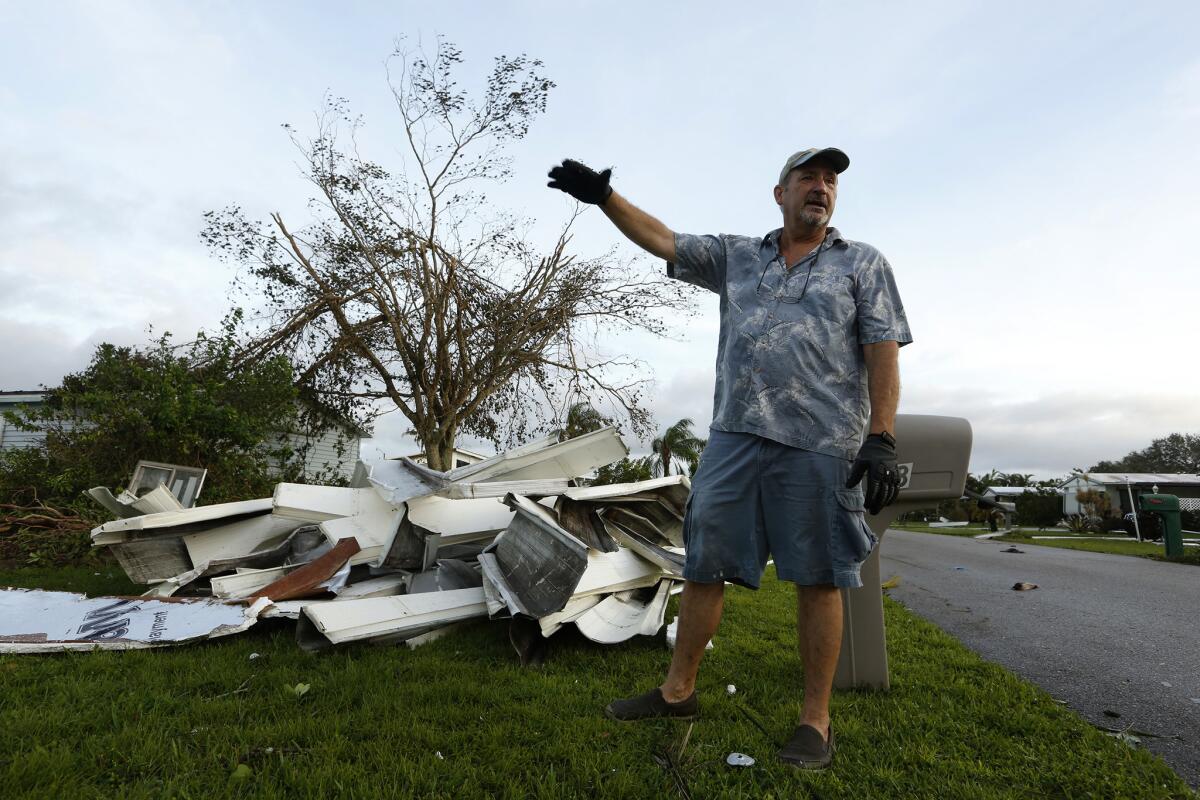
(408, 287)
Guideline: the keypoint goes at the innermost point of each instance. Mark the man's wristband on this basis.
(888, 439)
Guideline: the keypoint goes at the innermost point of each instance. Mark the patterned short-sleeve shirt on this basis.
(789, 359)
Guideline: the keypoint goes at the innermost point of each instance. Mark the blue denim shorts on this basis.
(753, 498)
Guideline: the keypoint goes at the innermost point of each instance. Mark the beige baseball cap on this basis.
(839, 160)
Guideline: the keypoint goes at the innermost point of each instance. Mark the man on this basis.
(811, 326)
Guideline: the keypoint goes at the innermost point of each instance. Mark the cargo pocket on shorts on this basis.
(858, 540)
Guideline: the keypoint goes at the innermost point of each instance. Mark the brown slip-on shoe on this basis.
(651, 705)
(808, 749)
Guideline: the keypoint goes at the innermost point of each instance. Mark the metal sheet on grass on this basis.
(33, 621)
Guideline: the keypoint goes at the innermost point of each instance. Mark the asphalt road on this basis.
(1102, 632)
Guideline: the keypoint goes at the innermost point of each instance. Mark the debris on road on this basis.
(1127, 738)
(403, 554)
(1021, 586)
(1012, 549)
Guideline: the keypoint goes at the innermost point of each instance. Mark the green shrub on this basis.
(195, 405)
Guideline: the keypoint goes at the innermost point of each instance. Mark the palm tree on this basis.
(677, 444)
(581, 418)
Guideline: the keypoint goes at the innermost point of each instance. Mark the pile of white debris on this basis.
(404, 554)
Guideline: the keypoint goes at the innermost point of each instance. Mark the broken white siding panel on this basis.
(531, 488)
(656, 613)
(189, 520)
(654, 520)
(104, 496)
(114, 537)
(535, 564)
(453, 573)
(397, 480)
(547, 458)
(156, 501)
(459, 520)
(358, 478)
(668, 560)
(162, 589)
(615, 572)
(243, 538)
(318, 503)
(407, 550)
(288, 609)
(496, 604)
(152, 560)
(42, 622)
(374, 530)
(575, 607)
(631, 520)
(498, 463)
(247, 581)
(620, 617)
(355, 620)
(674, 486)
(383, 586)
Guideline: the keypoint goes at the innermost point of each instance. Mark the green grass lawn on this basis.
(1122, 547)
(970, 530)
(1076, 541)
(458, 718)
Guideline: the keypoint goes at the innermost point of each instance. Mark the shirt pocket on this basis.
(830, 296)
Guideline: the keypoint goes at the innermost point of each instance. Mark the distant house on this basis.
(1123, 488)
(10, 436)
(1006, 496)
(462, 458)
(1009, 494)
(322, 453)
(323, 449)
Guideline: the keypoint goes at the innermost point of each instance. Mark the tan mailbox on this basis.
(933, 454)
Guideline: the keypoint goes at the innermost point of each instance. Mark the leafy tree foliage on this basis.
(627, 470)
(409, 288)
(184, 405)
(1178, 452)
(1040, 509)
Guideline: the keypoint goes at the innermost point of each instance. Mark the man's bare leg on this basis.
(819, 628)
(699, 615)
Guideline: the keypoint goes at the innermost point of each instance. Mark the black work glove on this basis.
(877, 461)
(581, 182)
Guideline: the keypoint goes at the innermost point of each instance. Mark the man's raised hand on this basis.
(581, 182)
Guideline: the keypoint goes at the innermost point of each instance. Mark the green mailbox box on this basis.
(1167, 508)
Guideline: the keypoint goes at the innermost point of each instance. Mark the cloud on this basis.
(1053, 433)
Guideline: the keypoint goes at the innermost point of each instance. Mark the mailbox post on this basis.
(1167, 508)
(933, 454)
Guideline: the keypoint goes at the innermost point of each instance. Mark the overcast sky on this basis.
(1031, 170)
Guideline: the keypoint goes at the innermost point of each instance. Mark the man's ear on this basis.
(779, 196)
